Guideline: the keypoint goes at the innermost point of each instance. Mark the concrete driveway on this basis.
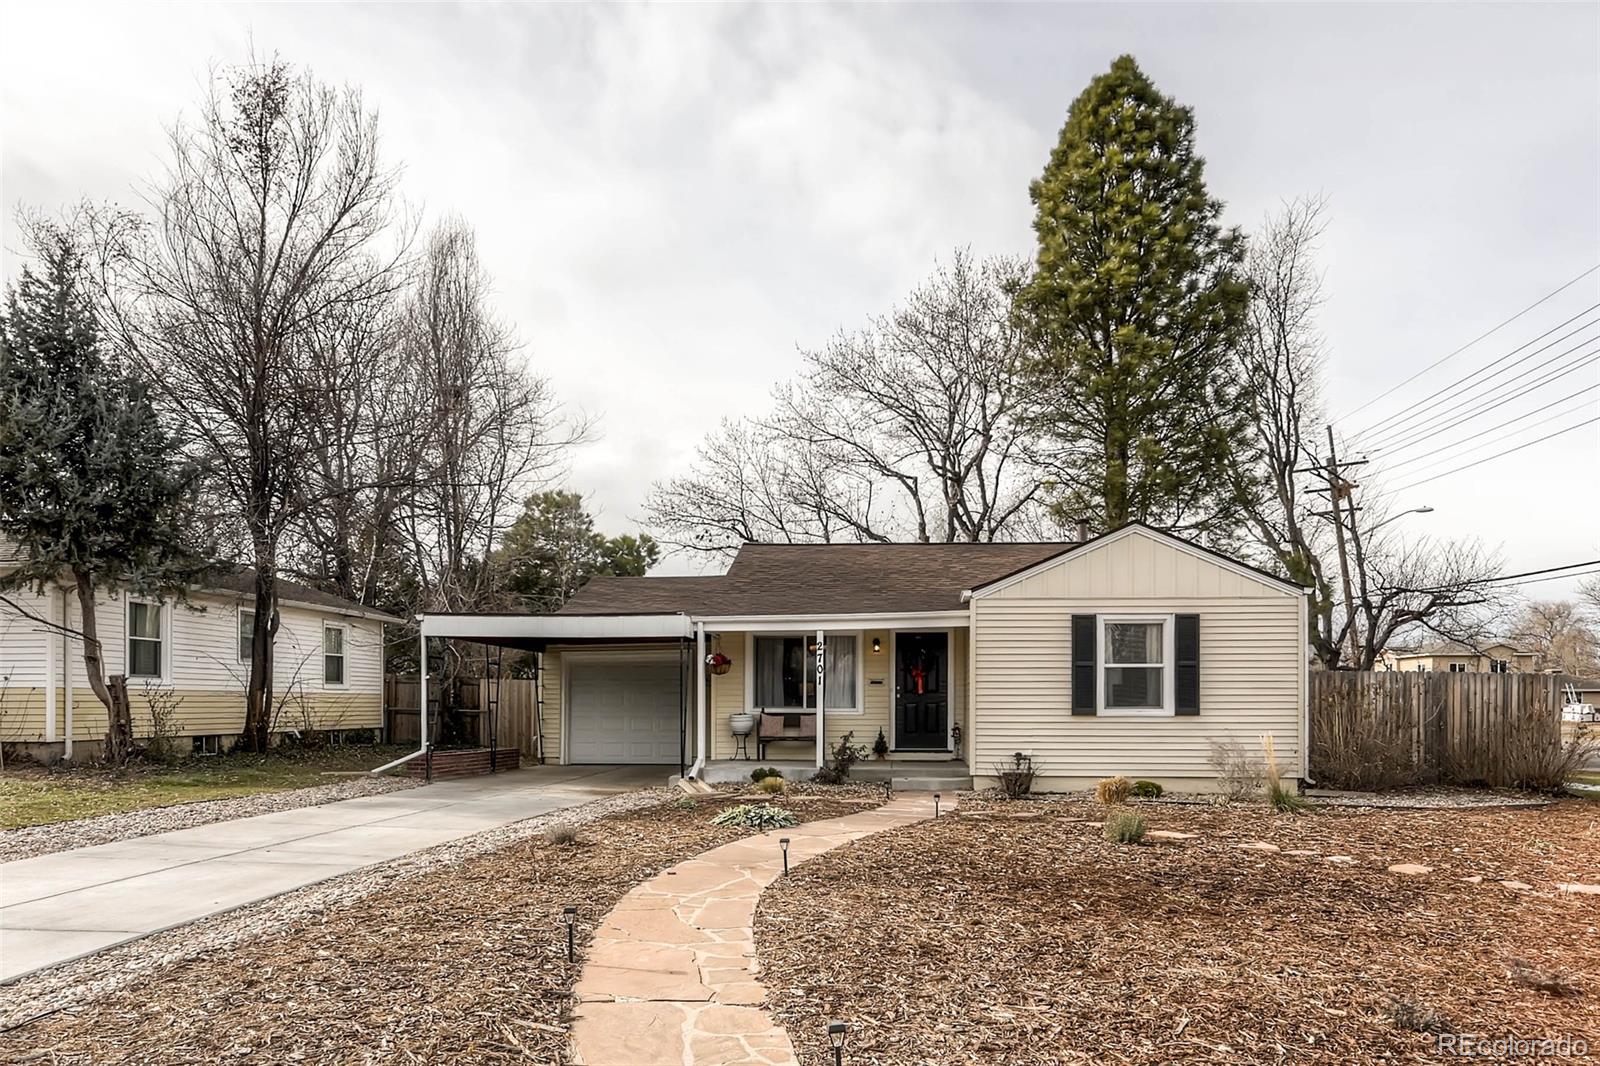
(57, 907)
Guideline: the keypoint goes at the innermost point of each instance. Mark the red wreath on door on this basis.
(918, 677)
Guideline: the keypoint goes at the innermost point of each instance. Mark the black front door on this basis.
(922, 691)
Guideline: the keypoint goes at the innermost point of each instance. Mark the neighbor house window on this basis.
(144, 639)
(1458, 668)
(333, 654)
(1499, 666)
(1136, 665)
(786, 673)
(247, 635)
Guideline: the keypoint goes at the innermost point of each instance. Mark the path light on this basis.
(936, 804)
(783, 842)
(888, 790)
(570, 917)
(837, 1031)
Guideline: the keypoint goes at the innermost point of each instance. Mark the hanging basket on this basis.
(718, 663)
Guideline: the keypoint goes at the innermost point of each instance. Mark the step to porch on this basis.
(915, 775)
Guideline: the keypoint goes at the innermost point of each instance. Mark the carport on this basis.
(625, 693)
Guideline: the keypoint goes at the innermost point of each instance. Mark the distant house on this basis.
(1453, 656)
(1131, 653)
(327, 667)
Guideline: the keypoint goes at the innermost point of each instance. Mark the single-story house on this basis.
(191, 653)
(1454, 656)
(1129, 653)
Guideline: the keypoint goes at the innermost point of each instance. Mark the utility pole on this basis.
(1339, 492)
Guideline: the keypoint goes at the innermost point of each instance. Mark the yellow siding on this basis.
(1135, 566)
(195, 713)
(1251, 665)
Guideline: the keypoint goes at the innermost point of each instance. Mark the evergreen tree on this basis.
(89, 485)
(553, 548)
(1136, 305)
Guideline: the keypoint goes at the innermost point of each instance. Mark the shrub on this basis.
(1124, 827)
(756, 816)
(1283, 799)
(1148, 790)
(1113, 790)
(773, 786)
(561, 833)
(845, 755)
(1239, 770)
(1539, 763)
(686, 803)
(880, 747)
(761, 772)
(1016, 777)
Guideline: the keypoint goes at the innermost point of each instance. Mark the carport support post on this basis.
(422, 694)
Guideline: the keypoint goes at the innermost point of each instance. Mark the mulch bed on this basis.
(467, 965)
(1015, 933)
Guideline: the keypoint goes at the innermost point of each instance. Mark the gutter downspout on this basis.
(702, 712)
(422, 709)
(52, 675)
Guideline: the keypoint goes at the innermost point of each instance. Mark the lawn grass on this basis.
(1587, 779)
(33, 795)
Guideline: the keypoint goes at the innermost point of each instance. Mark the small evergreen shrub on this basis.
(561, 833)
(1124, 827)
(773, 786)
(756, 816)
(1113, 790)
(686, 803)
(761, 772)
(1148, 790)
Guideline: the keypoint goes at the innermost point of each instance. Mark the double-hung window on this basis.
(1499, 666)
(247, 635)
(1459, 668)
(144, 639)
(786, 673)
(1136, 654)
(333, 654)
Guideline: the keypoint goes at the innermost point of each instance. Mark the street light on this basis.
(570, 917)
(1402, 514)
(837, 1031)
(783, 842)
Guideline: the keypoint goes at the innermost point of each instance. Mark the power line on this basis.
(1396, 424)
(1552, 577)
(1498, 578)
(1491, 429)
(1498, 455)
(1469, 344)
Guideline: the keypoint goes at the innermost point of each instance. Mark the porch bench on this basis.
(777, 726)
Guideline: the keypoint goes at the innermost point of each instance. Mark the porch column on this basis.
(822, 700)
(702, 712)
(422, 686)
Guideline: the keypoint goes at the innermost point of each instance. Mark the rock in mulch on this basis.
(34, 840)
(1410, 869)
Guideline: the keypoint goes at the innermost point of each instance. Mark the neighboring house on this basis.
(1453, 656)
(193, 652)
(1130, 653)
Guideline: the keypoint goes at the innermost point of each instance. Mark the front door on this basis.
(922, 691)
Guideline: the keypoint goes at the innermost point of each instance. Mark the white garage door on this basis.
(622, 712)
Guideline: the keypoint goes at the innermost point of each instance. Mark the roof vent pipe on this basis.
(1083, 530)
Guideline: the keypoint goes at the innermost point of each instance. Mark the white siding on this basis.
(1252, 664)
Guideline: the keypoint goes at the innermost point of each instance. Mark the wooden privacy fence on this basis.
(515, 725)
(1377, 730)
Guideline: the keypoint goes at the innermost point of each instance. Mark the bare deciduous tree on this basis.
(1563, 638)
(273, 216)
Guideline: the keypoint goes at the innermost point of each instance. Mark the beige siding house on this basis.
(1131, 653)
(1455, 657)
(191, 653)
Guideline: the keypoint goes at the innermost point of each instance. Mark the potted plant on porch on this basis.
(880, 747)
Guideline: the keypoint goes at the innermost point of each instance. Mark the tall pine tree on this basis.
(90, 487)
(1137, 302)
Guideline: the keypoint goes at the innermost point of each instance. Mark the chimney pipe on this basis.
(1083, 530)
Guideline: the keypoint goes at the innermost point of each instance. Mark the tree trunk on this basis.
(119, 734)
(114, 697)
(258, 692)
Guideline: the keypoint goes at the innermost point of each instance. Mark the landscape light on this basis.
(837, 1031)
(783, 842)
(936, 804)
(569, 917)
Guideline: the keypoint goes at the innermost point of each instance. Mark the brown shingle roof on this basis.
(810, 579)
(241, 581)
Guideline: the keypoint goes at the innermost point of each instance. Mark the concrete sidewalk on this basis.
(57, 907)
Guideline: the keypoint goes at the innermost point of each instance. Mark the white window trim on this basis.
(344, 653)
(238, 632)
(750, 672)
(163, 636)
(1168, 709)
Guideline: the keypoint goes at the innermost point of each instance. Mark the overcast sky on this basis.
(674, 200)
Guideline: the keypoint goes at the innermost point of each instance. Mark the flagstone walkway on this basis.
(671, 975)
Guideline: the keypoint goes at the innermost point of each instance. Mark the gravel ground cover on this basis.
(1016, 933)
(452, 955)
(63, 836)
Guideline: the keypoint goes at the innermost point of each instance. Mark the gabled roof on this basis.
(241, 581)
(818, 579)
(1134, 529)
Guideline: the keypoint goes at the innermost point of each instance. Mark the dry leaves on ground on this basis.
(991, 939)
(464, 965)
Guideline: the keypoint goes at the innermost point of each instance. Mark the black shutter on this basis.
(1083, 663)
(1186, 650)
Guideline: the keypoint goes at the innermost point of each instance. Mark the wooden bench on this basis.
(777, 726)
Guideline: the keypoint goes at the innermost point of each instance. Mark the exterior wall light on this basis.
(783, 842)
(877, 645)
(837, 1032)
